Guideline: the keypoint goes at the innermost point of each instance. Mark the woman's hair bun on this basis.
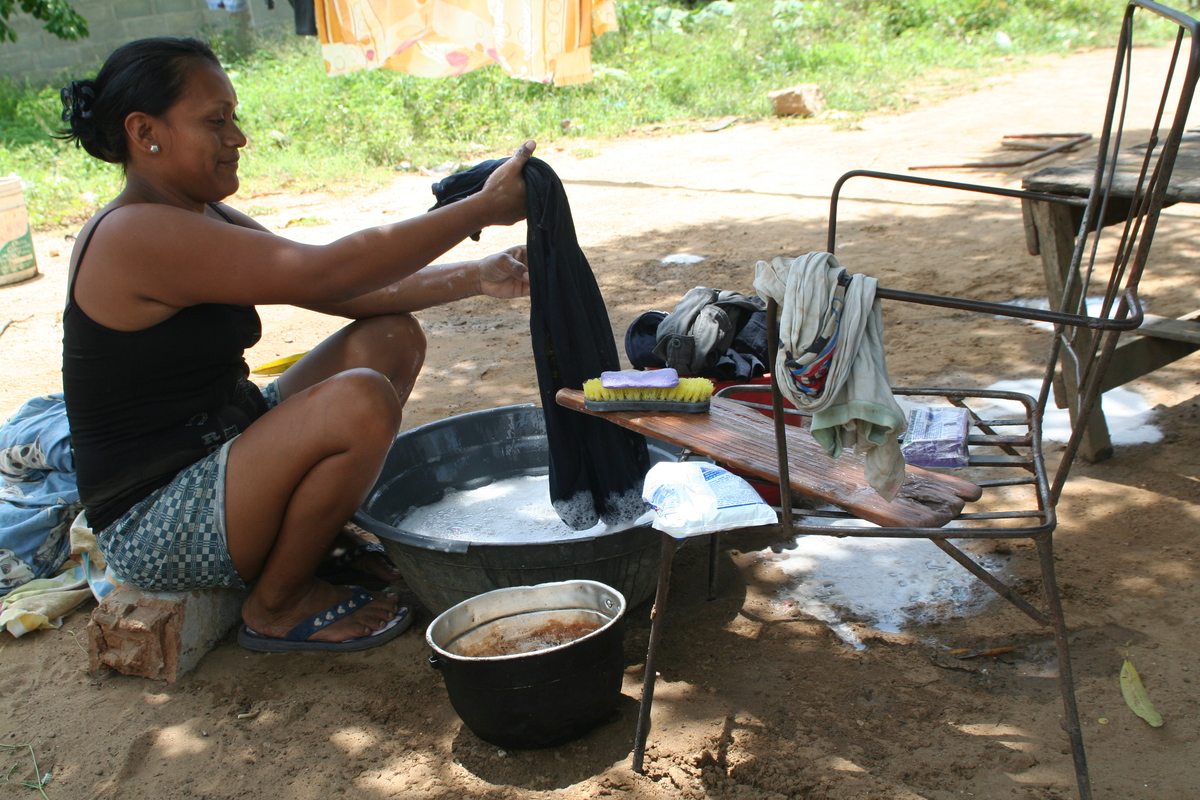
(79, 100)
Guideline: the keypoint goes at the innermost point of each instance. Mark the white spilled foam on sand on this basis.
(510, 511)
(1124, 409)
(682, 258)
(888, 584)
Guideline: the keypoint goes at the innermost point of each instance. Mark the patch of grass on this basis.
(670, 61)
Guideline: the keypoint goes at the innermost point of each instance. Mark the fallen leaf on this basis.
(1135, 695)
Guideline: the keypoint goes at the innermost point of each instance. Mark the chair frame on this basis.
(1081, 349)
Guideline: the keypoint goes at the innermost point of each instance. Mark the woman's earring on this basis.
(153, 148)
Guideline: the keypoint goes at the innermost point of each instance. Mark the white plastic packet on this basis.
(691, 498)
(936, 437)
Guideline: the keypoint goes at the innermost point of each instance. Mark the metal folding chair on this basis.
(1131, 184)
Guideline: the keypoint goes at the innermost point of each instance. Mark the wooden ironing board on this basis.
(743, 439)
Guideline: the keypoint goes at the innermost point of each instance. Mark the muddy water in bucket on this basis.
(17, 262)
(532, 666)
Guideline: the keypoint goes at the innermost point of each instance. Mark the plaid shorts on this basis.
(174, 540)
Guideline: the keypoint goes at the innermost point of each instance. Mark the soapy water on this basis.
(893, 583)
(1124, 410)
(888, 584)
(509, 511)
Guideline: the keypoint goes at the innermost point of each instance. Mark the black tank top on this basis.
(142, 405)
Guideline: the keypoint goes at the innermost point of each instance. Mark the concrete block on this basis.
(803, 100)
(160, 635)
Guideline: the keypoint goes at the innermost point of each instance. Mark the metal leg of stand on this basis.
(657, 616)
(1066, 681)
(714, 550)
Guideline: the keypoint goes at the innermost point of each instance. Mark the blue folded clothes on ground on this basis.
(38, 498)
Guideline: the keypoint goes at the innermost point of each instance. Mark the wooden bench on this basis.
(1051, 230)
(744, 440)
(1158, 342)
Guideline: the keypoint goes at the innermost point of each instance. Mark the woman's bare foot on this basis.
(321, 596)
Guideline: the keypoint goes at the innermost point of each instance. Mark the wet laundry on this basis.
(306, 17)
(543, 40)
(596, 468)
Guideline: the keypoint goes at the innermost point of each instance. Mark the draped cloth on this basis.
(538, 40)
(596, 468)
(831, 361)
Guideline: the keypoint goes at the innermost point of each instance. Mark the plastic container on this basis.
(17, 260)
(473, 450)
(542, 698)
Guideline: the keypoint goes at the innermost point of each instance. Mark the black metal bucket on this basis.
(473, 450)
(542, 698)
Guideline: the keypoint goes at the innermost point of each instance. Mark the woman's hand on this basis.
(504, 190)
(505, 275)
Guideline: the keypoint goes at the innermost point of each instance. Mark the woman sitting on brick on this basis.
(191, 476)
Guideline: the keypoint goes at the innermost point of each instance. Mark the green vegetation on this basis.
(60, 18)
(668, 62)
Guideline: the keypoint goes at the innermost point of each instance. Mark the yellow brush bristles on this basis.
(689, 390)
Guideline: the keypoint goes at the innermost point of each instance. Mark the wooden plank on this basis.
(1160, 341)
(1141, 356)
(1185, 329)
(1076, 179)
(743, 439)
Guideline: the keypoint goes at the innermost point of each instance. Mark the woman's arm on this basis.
(148, 260)
(503, 275)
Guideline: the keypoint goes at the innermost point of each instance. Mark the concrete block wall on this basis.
(37, 56)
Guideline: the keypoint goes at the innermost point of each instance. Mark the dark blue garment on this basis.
(640, 340)
(596, 467)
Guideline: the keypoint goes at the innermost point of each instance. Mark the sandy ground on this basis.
(754, 701)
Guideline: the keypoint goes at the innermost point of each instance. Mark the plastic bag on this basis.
(936, 437)
(692, 498)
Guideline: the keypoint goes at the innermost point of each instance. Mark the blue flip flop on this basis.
(296, 640)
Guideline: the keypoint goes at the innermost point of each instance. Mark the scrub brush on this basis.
(653, 390)
(279, 365)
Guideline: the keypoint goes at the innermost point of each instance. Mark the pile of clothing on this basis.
(42, 522)
(830, 360)
(712, 333)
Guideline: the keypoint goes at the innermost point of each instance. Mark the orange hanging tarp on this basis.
(538, 40)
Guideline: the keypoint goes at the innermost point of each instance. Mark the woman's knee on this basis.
(398, 336)
(365, 402)
(397, 344)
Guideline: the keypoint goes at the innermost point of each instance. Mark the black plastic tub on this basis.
(541, 698)
(472, 450)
